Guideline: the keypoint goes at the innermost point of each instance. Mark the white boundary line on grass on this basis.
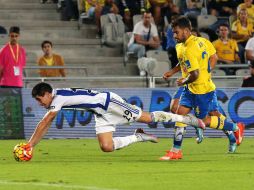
(54, 185)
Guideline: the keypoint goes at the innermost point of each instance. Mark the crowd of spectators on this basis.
(234, 44)
(233, 37)
(241, 29)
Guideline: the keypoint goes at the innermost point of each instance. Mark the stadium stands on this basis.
(76, 41)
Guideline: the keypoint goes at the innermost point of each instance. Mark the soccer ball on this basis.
(22, 152)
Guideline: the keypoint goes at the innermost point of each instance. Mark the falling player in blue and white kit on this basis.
(110, 110)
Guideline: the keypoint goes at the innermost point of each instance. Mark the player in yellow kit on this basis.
(199, 90)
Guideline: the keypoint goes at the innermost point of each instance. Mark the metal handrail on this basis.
(56, 67)
(151, 81)
(232, 66)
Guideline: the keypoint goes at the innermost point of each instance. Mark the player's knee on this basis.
(107, 147)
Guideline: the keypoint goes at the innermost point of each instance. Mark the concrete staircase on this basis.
(40, 22)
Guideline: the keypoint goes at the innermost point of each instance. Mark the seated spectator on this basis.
(145, 36)
(250, 8)
(193, 10)
(108, 7)
(249, 81)
(226, 48)
(92, 9)
(222, 7)
(242, 30)
(161, 8)
(50, 59)
(129, 8)
(249, 50)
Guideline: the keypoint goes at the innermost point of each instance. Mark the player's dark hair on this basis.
(40, 89)
(46, 42)
(182, 22)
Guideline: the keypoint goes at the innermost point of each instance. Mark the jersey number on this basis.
(127, 115)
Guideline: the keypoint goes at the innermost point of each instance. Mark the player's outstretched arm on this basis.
(42, 128)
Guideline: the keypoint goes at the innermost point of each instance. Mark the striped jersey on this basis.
(77, 98)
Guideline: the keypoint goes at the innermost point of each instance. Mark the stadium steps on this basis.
(40, 22)
(20, 1)
(37, 16)
(120, 83)
(10, 5)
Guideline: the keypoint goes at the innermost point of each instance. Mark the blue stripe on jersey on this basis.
(136, 111)
(64, 92)
(86, 106)
(107, 100)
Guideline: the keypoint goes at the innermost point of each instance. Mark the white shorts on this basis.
(119, 113)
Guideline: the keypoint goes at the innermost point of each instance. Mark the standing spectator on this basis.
(129, 8)
(70, 11)
(50, 59)
(249, 50)
(12, 61)
(242, 30)
(249, 81)
(226, 48)
(109, 6)
(250, 8)
(144, 37)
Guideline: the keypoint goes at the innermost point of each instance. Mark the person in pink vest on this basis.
(12, 61)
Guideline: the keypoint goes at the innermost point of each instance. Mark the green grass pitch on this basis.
(79, 164)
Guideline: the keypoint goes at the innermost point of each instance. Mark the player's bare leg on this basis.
(109, 144)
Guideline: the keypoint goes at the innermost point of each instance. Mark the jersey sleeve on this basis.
(210, 48)
(137, 29)
(154, 31)
(57, 104)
